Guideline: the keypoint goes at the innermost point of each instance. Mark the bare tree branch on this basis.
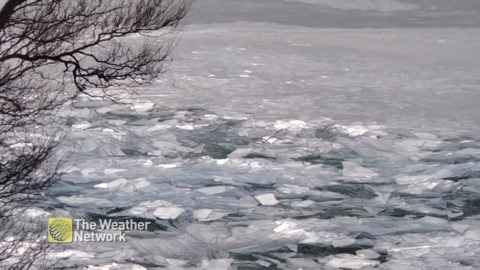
(51, 51)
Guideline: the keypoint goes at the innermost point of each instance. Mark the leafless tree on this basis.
(51, 51)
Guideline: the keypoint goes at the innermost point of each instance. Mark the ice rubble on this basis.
(241, 192)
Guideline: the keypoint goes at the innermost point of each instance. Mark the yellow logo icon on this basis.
(60, 230)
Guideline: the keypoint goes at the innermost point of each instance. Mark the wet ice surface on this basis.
(230, 191)
(282, 147)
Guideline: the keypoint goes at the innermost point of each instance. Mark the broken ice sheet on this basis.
(267, 199)
(113, 184)
(220, 264)
(168, 212)
(212, 190)
(79, 200)
(350, 262)
(293, 189)
(358, 173)
(302, 263)
(367, 254)
(208, 214)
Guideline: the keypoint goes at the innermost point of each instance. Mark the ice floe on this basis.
(267, 199)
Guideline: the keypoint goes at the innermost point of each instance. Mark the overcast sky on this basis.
(340, 13)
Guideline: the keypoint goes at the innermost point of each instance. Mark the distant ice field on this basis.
(273, 147)
(342, 13)
(417, 78)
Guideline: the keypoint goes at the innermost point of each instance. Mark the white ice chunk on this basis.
(208, 214)
(175, 263)
(450, 242)
(419, 208)
(141, 183)
(303, 204)
(271, 139)
(117, 255)
(70, 253)
(367, 254)
(188, 126)
(104, 110)
(412, 190)
(373, 210)
(351, 169)
(212, 190)
(20, 145)
(468, 152)
(128, 187)
(222, 161)
(210, 116)
(101, 185)
(88, 171)
(461, 228)
(72, 169)
(157, 203)
(82, 125)
(202, 214)
(350, 262)
(294, 126)
(473, 234)
(169, 166)
(452, 214)
(292, 247)
(302, 263)
(247, 202)
(240, 152)
(418, 179)
(288, 189)
(135, 211)
(158, 127)
(217, 264)
(168, 212)
(76, 200)
(165, 145)
(402, 180)
(285, 227)
(111, 171)
(113, 184)
(117, 122)
(359, 129)
(112, 266)
(36, 213)
(207, 233)
(267, 199)
(263, 263)
(143, 107)
(425, 135)
(413, 146)
(343, 242)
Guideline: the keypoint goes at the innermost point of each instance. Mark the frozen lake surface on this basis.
(308, 134)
